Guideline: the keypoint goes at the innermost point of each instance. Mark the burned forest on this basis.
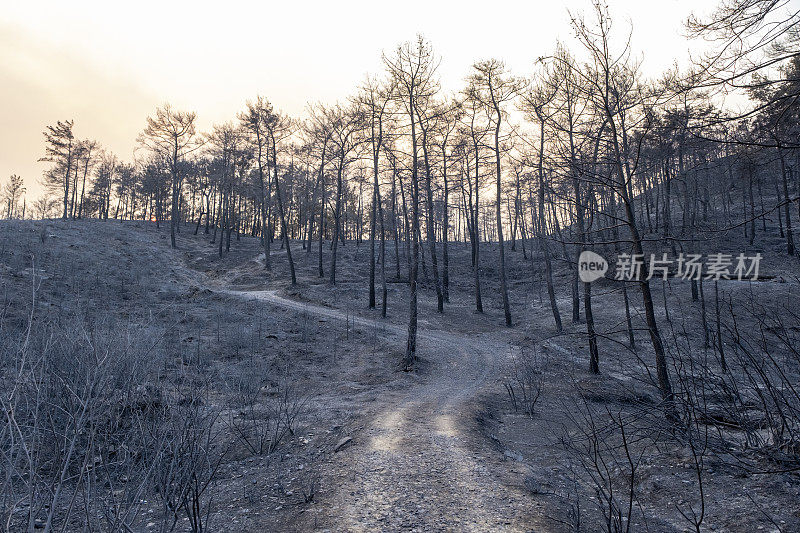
(561, 298)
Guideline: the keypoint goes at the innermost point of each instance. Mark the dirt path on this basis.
(419, 464)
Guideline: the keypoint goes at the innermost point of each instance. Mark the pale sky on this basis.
(109, 64)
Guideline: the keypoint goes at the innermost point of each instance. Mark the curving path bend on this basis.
(419, 464)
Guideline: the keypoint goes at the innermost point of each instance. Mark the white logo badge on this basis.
(591, 266)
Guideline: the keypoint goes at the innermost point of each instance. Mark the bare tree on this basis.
(85, 158)
(279, 128)
(105, 175)
(255, 120)
(613, 81)
(374, 100)
(536, 104)
(413, 68)
(171, 134)
(476, 131)
(12, 192)
(494, 88)
(59, 150)
(345, 124)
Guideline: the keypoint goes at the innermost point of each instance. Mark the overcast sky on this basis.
(107, 65)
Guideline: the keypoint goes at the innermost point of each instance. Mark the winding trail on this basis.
(419, 464)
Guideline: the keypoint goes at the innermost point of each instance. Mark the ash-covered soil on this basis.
(497, 429)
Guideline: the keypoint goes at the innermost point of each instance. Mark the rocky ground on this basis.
(377, 449)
